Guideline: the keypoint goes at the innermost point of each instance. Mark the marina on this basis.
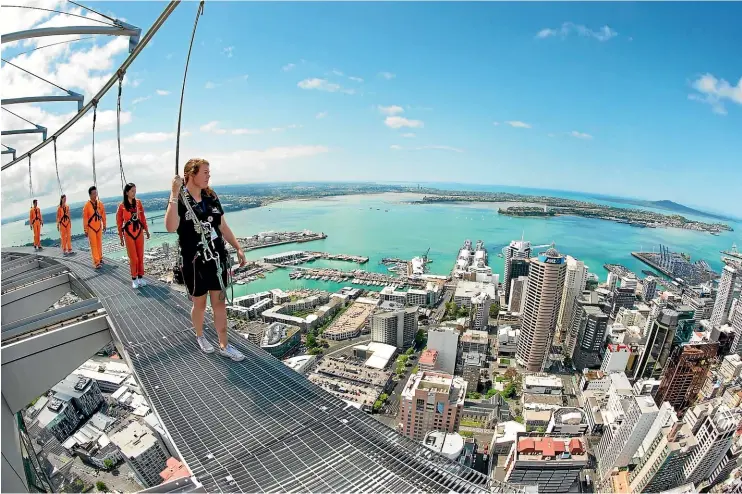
(270, 239)
(357, 277)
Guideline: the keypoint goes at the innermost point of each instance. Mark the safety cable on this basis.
(94, 11)
(58, 12)
(118, 130)
(30, 183)
(95, 112)
(54, 44)
(31, 73)
(16, 115)
(56, 165)
(199, 12)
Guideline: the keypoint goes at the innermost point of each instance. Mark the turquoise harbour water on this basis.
(384, 225)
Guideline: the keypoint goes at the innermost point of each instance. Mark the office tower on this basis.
(82, 392)
(615, 359)
(629, 282)
(479, 314)
(574, 285)
(471, 368)
(649, 288)
(657, 348)
(684, 375)
(714, 425)
(518, 288)
(445, 340)
(586, 299)
(538, 320)
(142, 451)
(591, 328)
(619, 444)
(553, 462)
(396, 326)
(724, 296)
(611, 281)
(686, 324)
(431, 401)
(660, 467)
(736, 317)
(518, 250)
(622, 297)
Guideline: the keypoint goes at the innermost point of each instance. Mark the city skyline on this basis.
(590, 99)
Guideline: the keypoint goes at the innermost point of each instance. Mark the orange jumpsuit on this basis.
(65, 227)
(94, 224)
(131, 224)
(36, 222)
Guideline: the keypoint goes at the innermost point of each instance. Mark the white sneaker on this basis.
(206, 347)
(231, 352)
(142, 282)
(134, 284)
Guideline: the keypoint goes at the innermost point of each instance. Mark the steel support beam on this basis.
(15, 266)
(38, 130)
(9, 151)
(50, 319)
(46, 99)
(8, 284)
(111, 82)
(34, 298)
(31, 366)
(123, 30)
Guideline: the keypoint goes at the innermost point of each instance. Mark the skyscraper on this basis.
(724, 297)
(394, 325)
(714, 425)
(517, 250)
(649, 288)
(539, 316)
(431, 401)
(656, 350)
(517, 297)
(574, 283)
(684, 375)
(592, 325)
(586, 299)
(479, 314)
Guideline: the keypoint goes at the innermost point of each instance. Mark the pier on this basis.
(296, 257)
(339, 257)
(271, 239)
(357, 277)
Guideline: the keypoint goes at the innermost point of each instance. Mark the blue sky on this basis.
(630, 99)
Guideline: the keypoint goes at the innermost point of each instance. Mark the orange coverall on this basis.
(36, 221)
(65, 227)
(94, 224)
(131, 225)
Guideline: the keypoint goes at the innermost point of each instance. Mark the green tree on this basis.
(315, 351)
(311, 340)
(462, 312)
(409, 351)
(415, 369)
(494, 310)
(403, 359)
(509, 391)
(473, 395)
(101, 486)
(541, 429)
(491, 392)
(420, 337)
(518, 419)
(108, 463)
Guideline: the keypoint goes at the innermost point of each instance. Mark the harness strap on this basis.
(96, 215)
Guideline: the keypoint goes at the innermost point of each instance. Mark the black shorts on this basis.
(199, 277)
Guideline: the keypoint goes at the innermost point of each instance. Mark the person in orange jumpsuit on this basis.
(36, 220)
(94, 224)
(64, 225)
(131, 223)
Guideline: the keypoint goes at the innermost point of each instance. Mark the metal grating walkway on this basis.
(256, 425)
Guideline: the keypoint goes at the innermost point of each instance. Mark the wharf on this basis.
(618, 270)
(357, 277)
(643, 258)
(339, 257)
(281, 238)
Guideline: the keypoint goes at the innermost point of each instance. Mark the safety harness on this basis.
(134, 222)
(96, 215)
(36, 215)
(65, 219)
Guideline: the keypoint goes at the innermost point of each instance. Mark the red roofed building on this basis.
(428, 360)
(551, 462)
(174, 470)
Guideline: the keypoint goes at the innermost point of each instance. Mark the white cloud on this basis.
(214, 128)
(321, 115)
(408, 135)
(580, 135)
(518, 124)
(162, 92)
(355, 79)
(716, 92)
(323, 85)
(397, 147)
(495, 123)
(149, 137)
(141, 99)
(288, 67)
(398, 122)
(390, 110)
(337, 72)
(239, 132)
(211, 85)
(604, 33)
(228, 51)
(387, 75)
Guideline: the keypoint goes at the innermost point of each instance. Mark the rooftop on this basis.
(428, 357)
(449, 444)
(551, 449)
(133, 439)
(469, 289)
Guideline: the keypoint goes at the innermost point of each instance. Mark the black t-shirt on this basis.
(209, 213)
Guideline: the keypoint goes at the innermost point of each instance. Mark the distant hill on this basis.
(679, 208)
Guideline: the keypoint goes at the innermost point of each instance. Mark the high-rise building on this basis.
(736, 318)
(615, 359)
(574, 284)
(660, 467)
(622, 297)
(518, 289)
(724, 297)
(538, 320)
(649, 288)
(431, 401)
(552, 462)
(586, 299)
(714, 425)
(518, 250)
(619, 443)
(82, 392)
(142, 451)
(479, 313)
(445, 340)
(611, 282)
(684, 375)
(394, 325)
(686, 324)
(657, 347)
(592, 325)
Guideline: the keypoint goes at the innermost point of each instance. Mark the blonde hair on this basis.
(191, 168)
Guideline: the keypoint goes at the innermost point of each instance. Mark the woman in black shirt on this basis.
(202, 230)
